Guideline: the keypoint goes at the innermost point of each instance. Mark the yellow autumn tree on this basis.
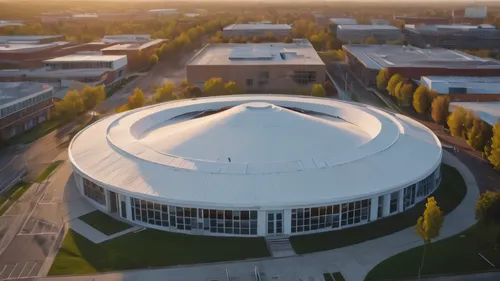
(429, 225)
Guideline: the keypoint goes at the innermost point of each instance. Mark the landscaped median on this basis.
(104, 223)
(467, 252)
(448, 195)
(150, 248)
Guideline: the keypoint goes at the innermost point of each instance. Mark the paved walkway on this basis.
(95, 235)
(354, 262)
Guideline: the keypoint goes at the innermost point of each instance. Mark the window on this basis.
(409, 196)
(394, 202)
(181, 218)
(312, 219)
(94, 192)
(304, 77)
(249, 83)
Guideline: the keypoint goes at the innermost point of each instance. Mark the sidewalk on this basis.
(354, 262)
(95, 235)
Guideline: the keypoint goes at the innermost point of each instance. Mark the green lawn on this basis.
(150, 248)
(104, 223)
(458, 254)
(10, 196)
(449, 195)
(43, 175)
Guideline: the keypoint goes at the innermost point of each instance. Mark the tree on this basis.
(440, 109)
(318, 91)
(153, 60)
(403, 92)
(494, 155)
(70, 106)
(456, 122)
(422, 99)
(393, 82)
(429, 225)
(382, 79)
(192, 92)
(232, 88)
(287, 40)
(93, 96)
(256, 40)
(214, 86)
(479, 134)
(165, 92)
(184, 83)
(487, 209)
(137, 99)
(371, 41)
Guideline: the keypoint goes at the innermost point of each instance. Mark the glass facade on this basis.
(241, 222)
(246, 222)
(333, 216)
(94, 192)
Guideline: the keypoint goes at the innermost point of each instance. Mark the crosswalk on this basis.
(40, 227)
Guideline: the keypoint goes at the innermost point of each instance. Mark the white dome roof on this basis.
(280, 158)
(255, 132)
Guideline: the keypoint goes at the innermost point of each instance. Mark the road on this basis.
(340, 73)
(30, 228)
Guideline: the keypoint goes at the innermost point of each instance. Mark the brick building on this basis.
(23, 106)
(134, 51)
(264, 67)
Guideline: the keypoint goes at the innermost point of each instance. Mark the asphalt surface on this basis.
(31, 227)
(340, 73)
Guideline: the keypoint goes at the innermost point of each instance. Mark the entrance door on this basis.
(275, 223)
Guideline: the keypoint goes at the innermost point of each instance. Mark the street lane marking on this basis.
(3, 269)
(21, 273)
(34, 265)
(12, 271)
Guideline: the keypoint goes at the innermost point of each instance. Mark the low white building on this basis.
(489, 112)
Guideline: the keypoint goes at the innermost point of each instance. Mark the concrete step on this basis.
(280, 246)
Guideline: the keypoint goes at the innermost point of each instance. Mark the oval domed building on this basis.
(255, 165)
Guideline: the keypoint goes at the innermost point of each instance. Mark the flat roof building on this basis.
(423, 20)
(30, 39)
(463, 89)
(23, 106)
(126, 38)
(359, 33)
(255, 165)
(464, 37)
(489, 112)
(131, 50)
(262, 67)
(412, 62)
(257, 30)
(344, 21)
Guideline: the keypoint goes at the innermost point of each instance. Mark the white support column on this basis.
(374, 208)
(108, 201)
(262, 223)
(386, 207)
(287, 222)
(128, 206)
(401, 197)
